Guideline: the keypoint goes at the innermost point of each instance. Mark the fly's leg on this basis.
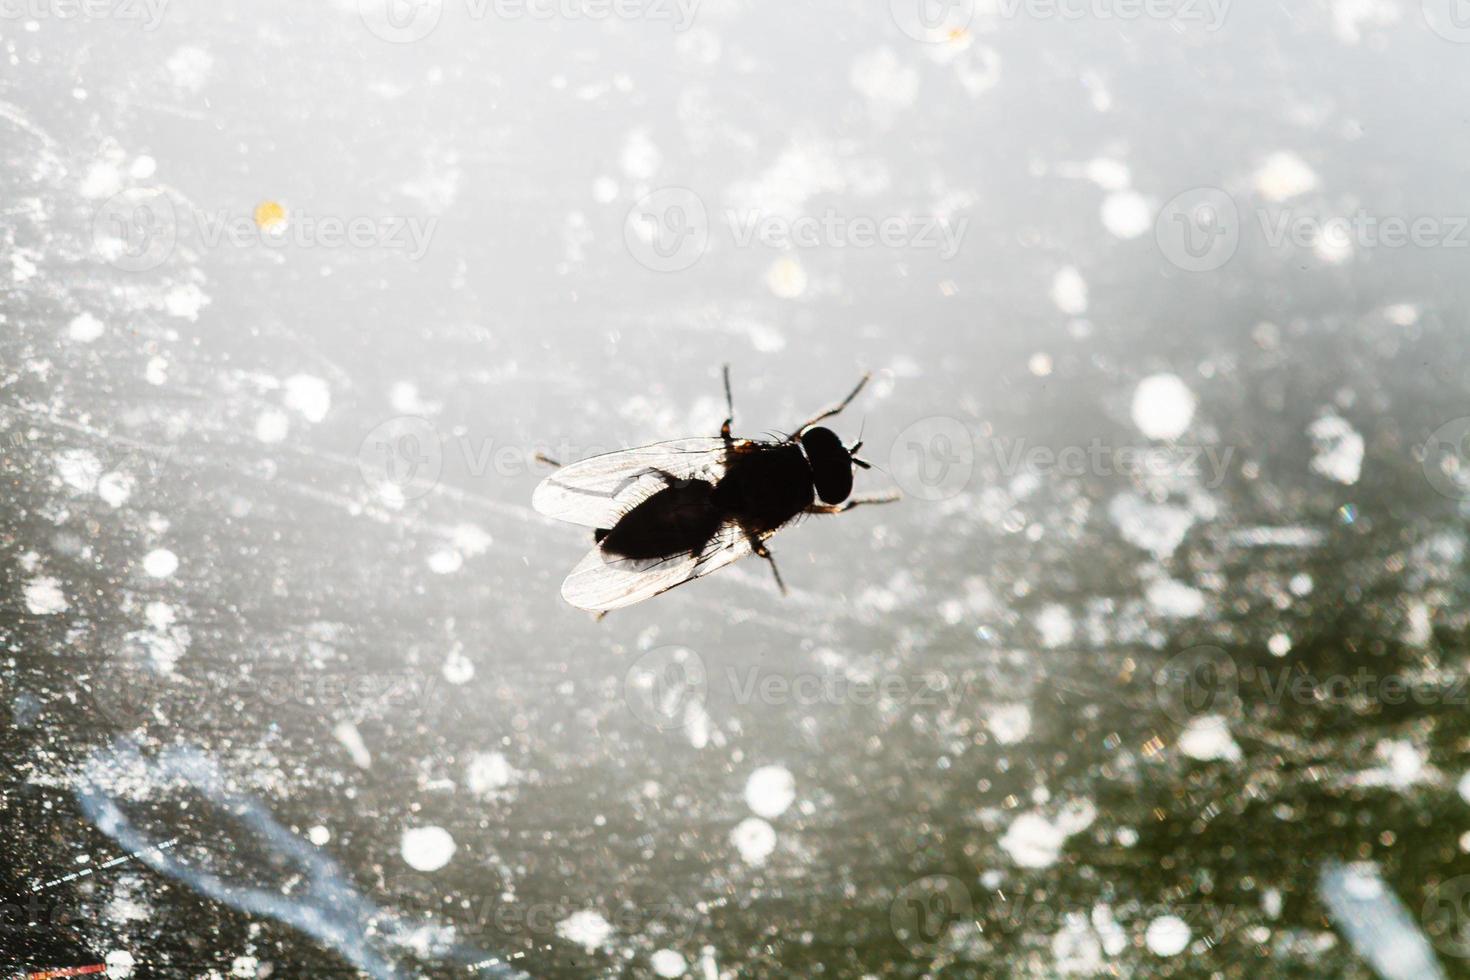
(543, 458)
(885, 498)
(827, 413)
(759, 547)
(729, 412)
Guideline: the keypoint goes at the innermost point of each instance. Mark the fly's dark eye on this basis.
(831, 464)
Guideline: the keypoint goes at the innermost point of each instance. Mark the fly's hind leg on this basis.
(884, 498)
(759, 547)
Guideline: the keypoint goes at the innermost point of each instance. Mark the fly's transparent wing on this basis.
(601, 581)
(595, 492)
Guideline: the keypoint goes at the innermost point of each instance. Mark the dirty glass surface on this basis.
(1158, 668)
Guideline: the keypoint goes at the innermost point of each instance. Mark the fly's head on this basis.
(831, 463)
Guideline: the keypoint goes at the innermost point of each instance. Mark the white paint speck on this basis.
(770, 790)
(1069, 291)
(489, 774)
(586, 928)
(78, 469)
(1033, 841)
(1167, 935)
(886, 82)
(84, 328)
(641, 158)
(319, 835)
(1174, 599)
(754, 839)
(308, 395)
(458, 669)
(1339, 449)
(1156, 528)
(1163, 406)
(160, 563)
(119, 963)
(185, 301)
(44, 597)
(1279, 644)
(427, 848)
(668, 963)
(347, 734)
(190, 67)
(115, 488)
(272, 425)
(1283, 176)
(1054, 623)
(1207, 737)
(244, 967)
(1126, 214)
(1010, 723)
(445, 561)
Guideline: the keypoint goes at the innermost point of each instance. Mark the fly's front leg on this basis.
(729, 412)
(884, 498)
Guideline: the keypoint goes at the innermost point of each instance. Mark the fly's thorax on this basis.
(767, 486)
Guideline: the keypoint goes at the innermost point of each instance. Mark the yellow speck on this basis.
(959, 35)
(270, 216)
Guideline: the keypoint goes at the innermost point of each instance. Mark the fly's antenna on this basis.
(852, 450)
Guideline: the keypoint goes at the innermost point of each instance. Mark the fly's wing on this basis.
(595, 492)
(601, 581)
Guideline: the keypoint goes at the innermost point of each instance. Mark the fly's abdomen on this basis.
(678, 519)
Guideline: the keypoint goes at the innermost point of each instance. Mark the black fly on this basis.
(670, 512)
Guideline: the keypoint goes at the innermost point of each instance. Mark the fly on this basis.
(672, 512)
